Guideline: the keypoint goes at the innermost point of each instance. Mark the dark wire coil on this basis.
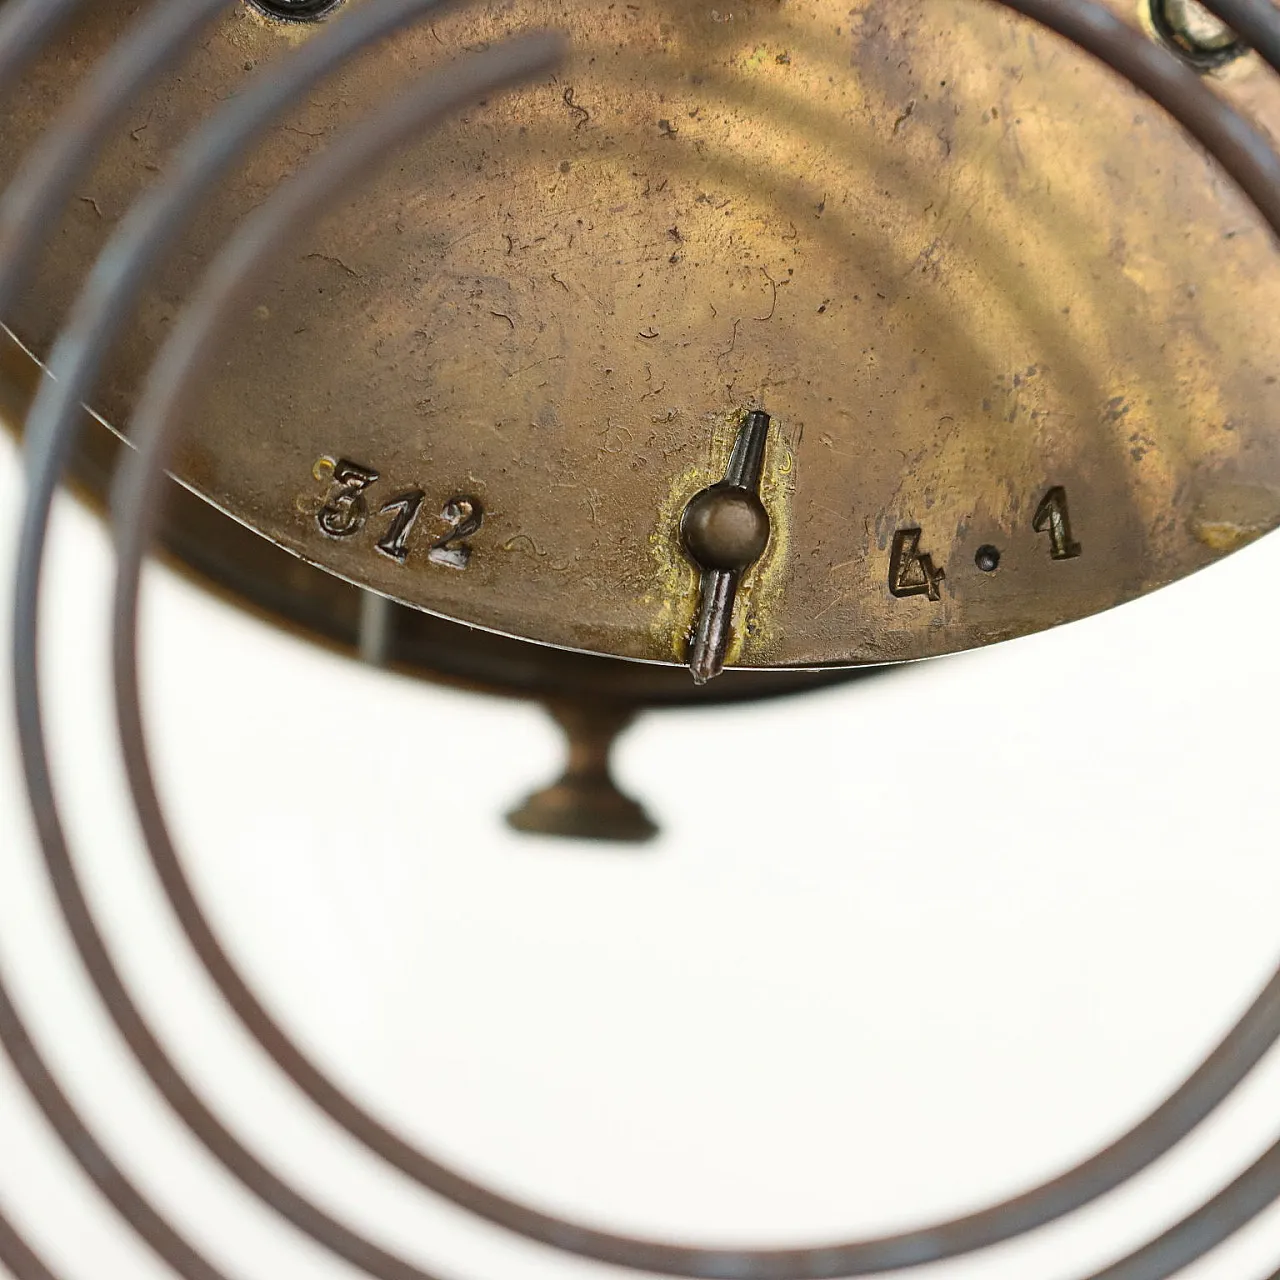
(113, 288)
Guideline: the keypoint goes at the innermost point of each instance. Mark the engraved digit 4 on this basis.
(910, 572)
(1052, 518)
(345, 512)
(465, 515)
(395, 542)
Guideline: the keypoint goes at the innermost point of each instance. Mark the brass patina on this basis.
(1002, 315)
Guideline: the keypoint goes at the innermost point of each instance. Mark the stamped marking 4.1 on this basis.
(913, 573)
(346, 513)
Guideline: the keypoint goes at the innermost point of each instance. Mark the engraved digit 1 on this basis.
(345, 512)
(910, 573)
(394, 542)
(1052, 518)
(465, 515)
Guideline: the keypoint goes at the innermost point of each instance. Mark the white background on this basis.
(959, 928)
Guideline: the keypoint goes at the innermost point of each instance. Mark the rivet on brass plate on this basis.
(725, 530)
(1190, 30)
(297, 10)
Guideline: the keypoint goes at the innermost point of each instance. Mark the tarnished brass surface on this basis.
(254, 574)
(989, 296)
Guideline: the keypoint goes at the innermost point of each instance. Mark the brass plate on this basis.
(989, 295)
(254, 574)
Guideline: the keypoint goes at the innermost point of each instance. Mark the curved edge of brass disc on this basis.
(248, 571)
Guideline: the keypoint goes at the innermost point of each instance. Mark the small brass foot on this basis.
(586, 803)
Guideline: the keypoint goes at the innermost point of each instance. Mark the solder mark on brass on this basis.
(675, 588)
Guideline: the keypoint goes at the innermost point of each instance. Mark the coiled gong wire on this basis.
(28, 207)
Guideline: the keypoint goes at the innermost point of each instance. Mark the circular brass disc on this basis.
(989, 295)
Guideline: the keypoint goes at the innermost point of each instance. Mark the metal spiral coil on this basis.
(114, 286)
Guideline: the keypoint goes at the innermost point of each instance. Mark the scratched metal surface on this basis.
(958, 264)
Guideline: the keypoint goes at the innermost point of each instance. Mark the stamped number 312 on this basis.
(347, 511)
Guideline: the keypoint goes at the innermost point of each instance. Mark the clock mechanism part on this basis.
(627, 357)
